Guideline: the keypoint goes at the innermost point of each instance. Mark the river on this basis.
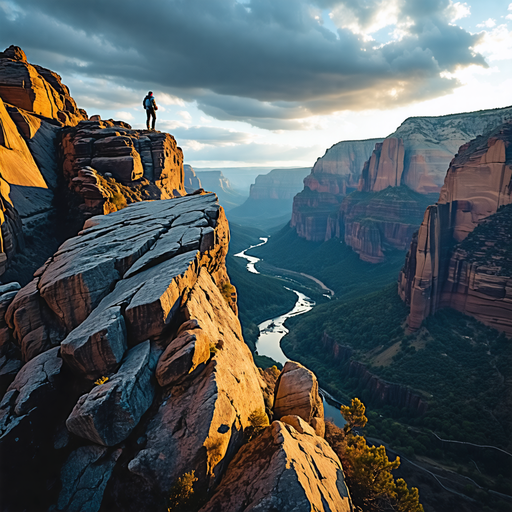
(273, 330)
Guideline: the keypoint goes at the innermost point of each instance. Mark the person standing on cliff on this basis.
(149, 104)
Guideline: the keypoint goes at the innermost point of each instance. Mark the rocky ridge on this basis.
(135, 303)
(436, 274)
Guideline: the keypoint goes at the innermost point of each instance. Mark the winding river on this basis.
(273, 330)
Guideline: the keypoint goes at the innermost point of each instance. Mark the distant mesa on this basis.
(271, 198)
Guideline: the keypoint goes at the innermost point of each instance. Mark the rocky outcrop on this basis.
(144, 164)
(435, 274)
(44, 138)
(297, 394)
(287, 468)
(36, 89)
(333, 176)
(191, 181)
(147, 277)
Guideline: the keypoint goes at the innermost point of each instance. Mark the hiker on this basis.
(150, 105)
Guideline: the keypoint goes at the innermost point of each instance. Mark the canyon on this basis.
(412, 160)
(122, 363)
(270, 198)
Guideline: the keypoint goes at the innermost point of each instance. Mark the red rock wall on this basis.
(478, 182)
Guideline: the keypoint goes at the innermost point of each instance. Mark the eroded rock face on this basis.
(333, 176)
(297, 394)
(36, 89)
(80, 292)
(150, 160)
(477, 184)
(287, 468)
(415, 157)
(108, 414)
(199, 425)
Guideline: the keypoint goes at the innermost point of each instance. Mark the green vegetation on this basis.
(181, 493)
(258, 421)
(333, 262)
(461, 368)
(368, 469)
(490, 243)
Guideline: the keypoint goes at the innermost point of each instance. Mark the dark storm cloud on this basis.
(263, 61)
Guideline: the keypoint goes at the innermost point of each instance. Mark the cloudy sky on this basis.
(270, 82)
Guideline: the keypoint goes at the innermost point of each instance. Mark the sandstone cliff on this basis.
(413, 160)
(134, 372)
(418, 153)
(333, 176)
(437, 274)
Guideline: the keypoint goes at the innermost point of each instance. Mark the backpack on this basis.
(148, 102)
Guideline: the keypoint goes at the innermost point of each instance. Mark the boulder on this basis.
(182, 356)
(84, 477)
(95, 348)
(33, 387)
(297, 394)
(285, 469)
(108, 414)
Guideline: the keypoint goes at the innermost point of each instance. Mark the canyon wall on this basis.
(191, 181)
(271, 198)
(333, 176)
(402, 175)
(444, 267)
(215, 181)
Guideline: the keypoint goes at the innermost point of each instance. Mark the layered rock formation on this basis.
(414, 160)
(436, 274)
(135, 164)
(372, 223)
(333, 176)
(134, 372)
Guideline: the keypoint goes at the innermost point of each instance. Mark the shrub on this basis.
(181, 492)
